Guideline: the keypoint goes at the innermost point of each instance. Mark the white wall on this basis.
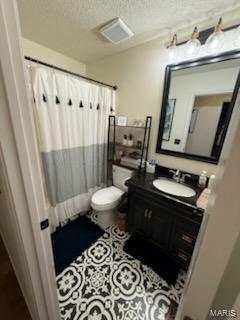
(184, 88)
(139, 74)
(236, 305)
(50, 56)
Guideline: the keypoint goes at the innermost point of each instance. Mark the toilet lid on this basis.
(107, 195)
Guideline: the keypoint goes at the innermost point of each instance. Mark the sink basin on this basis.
(174, 188)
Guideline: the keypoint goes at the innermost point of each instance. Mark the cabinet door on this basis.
(137, 217)
(159, 226)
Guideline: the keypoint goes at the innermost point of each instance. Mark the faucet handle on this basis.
(184, 175)
(178, 173)
(174, 172)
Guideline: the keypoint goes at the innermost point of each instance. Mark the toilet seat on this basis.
(107, 198)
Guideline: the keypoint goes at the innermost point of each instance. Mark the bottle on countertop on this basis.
(202, 181)
(211, 181)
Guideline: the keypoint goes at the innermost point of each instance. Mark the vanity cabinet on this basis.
(169, 226)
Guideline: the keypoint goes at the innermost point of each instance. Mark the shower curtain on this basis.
(72, 122)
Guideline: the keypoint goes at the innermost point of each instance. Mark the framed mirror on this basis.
(197, 106)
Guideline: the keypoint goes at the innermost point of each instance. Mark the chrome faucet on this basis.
(179, 176)
(176, 175)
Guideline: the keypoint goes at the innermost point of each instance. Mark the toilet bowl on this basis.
(105, 201)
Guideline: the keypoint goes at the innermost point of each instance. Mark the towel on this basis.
(202, 201)
(127, 161)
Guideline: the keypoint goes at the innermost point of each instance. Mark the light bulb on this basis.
(172, 49)
(216, 40)
(237, 37)
(193, 45)
(172, 54)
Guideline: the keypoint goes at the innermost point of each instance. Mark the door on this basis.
(137, 217)
(159, 225)
(150, 220)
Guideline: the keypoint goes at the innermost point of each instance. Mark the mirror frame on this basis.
(230, 55)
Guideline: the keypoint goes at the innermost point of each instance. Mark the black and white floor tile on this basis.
(105, 283)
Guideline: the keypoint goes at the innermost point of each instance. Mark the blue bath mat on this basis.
(140, 249)
(70, 241)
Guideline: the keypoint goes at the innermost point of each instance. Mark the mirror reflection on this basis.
(198, 110)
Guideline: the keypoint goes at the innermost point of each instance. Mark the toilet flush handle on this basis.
(126, 181)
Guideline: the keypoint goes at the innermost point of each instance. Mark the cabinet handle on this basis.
(182, 256)
(146, 214)
(187, 238)
(150, 215)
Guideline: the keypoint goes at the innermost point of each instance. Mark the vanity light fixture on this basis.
(214, 43)
(193, 45)
(216, 40)
(172, 49)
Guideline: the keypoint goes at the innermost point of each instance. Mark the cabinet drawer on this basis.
(186, 231)
(189, 239)
(183, 240)
(185, 237)
(182, 256)
(178, 244)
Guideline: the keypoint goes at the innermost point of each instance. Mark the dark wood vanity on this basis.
(170, 224)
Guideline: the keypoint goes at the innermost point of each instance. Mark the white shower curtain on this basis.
(72, 122)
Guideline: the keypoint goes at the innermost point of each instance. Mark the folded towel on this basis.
(127, 161)
(134, 155)
(202, 201)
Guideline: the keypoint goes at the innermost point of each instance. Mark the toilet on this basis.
(105, 201)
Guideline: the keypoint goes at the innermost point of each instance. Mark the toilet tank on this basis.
(120, 175)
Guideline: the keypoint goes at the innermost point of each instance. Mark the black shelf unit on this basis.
(113, 144)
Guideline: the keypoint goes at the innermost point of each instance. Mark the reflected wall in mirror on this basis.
(196, 107)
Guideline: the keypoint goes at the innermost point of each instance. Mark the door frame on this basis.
(222, 124)
(22, 127)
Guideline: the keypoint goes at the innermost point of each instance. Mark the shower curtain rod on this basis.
(69, 72)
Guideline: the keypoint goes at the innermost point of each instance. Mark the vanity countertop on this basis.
(145, 182)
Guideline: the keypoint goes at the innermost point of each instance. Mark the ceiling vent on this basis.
(116, 31)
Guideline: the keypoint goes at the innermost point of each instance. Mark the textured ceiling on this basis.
(70, 26)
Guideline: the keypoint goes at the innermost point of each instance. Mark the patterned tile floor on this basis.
(105, 283)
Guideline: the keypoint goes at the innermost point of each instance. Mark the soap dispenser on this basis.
(211, 181)
(202, 181)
